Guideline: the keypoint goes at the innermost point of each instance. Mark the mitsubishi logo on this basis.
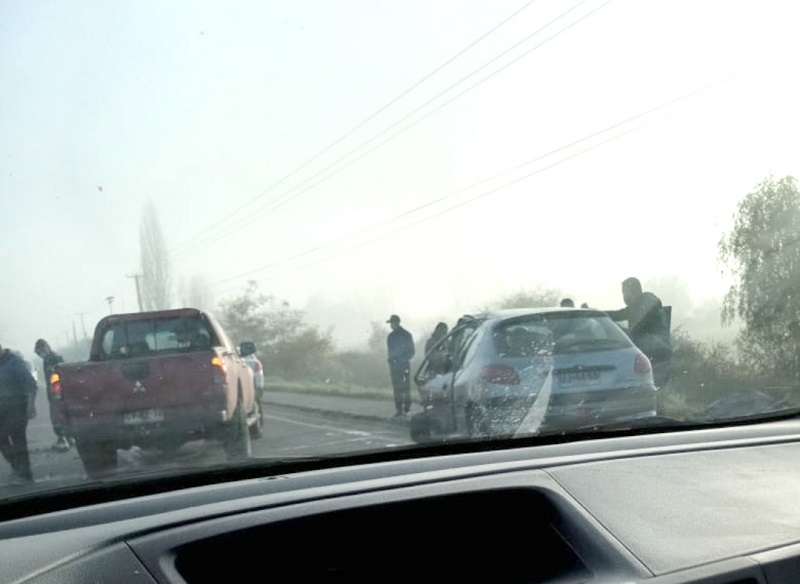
(138, 387)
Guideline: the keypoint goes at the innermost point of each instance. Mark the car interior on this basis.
(715, 506)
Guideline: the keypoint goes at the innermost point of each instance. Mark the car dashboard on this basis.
(716, 506)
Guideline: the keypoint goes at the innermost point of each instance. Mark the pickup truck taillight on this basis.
(220, 370)
(55, 384)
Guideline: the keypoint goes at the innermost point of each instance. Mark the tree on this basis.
(155, 265)
(527, 298)
(762, 253)
(292, 348)
(196, 294)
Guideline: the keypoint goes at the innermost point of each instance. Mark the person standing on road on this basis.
(648, 327)
(17, 406)
(400, 345)
(50, 359)
(437, 354)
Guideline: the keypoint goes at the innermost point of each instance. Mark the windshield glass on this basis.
(243, 232)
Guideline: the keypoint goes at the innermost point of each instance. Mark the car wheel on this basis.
(421, 430)
(237, 436)
(99, 458)
(477, 421)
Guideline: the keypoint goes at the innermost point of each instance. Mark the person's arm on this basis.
(409, 348)
(618, 315)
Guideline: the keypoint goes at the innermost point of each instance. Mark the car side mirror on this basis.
(247, 348)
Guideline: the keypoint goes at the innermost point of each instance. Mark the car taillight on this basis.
(642, 364)
(499, 374)
(259, 367)
(221, 371)
(55, 384)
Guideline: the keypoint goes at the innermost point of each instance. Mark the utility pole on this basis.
(110, 300)
(83, 324)
(138, 291)
(74, 333)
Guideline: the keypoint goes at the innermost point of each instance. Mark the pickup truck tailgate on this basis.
(143, 390)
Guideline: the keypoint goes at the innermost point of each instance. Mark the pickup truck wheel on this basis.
(99, 458)
(257, 426)
(237, 436)
(169, 447)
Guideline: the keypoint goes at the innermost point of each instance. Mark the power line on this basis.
(617, 125)
(366, 120)
(293, 194)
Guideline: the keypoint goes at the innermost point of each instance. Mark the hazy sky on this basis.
(215, 112)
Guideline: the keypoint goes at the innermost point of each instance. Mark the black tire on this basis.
(169, 446)
(421, 428)
(236, 437)
(256, 430)
(99, 458)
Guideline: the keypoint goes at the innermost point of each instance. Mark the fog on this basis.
(362, 158)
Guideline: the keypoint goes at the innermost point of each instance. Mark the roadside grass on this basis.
(329, 388)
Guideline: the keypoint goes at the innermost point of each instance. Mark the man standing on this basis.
(17, 395)
(400, 345)
(648, 327)
(49, 361)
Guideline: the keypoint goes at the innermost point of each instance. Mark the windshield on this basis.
(245, 233)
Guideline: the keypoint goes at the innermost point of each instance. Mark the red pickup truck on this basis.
(157, 380)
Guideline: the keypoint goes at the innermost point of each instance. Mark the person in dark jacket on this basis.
(437, 352)
(648, 327)
(50, 359)
(400, 346)
(17, 399)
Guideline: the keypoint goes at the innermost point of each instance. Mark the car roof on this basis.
(507, 313)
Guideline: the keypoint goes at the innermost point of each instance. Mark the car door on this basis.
(464, 374)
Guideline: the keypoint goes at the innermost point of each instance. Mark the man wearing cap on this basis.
(400, 345)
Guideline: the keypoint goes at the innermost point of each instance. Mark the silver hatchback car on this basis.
(530, 371)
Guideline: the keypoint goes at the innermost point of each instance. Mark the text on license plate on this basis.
(143, 417)
(575, 377)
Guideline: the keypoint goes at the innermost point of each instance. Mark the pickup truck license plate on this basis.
(143, 417)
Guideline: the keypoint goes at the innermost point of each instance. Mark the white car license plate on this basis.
(143, 417)
(579, 378)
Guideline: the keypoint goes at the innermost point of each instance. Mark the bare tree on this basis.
(195, 293)
(155, 268)
(199, 293)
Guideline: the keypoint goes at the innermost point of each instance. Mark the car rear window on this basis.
(567, 332)
(147, 337)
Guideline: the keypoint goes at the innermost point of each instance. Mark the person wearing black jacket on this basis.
(400, 346)
(17, 399)
(50, 359)
(648, 327)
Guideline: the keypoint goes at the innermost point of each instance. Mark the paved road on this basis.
(296, 425)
